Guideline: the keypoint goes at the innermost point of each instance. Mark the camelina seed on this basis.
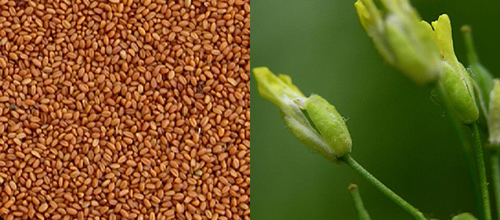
(124, 109)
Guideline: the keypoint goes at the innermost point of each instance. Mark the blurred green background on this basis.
(398, 132)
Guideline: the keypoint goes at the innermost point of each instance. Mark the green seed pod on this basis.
(494, 114)
(459, 93)
(464, 216)
(330, 125)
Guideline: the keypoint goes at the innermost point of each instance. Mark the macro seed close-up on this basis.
(124, 109)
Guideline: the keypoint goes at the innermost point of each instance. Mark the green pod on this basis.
(464, 216)
(459, 92)
(494, 114)
(330, 125)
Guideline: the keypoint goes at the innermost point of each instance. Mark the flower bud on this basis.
(401, 38)
(456, 82)
(464, 216)
(494, 114)
(314, 121)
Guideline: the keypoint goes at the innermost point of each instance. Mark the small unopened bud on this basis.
(494, 114)
(456, 82)
(464, 216)
(314, 121)
(401, 38)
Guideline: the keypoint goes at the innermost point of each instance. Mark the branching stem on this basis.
(468, 152)
(380, 186)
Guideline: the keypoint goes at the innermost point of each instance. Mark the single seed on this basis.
(71, 211)
(43, 207)
(4, 98)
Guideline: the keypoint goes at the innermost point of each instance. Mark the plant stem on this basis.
(358, 202)
(469, 44)
(468, 152)
(495, 176)
(380, 186)
(478, 149)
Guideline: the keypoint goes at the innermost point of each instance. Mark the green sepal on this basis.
(458, 91)
(330, 124)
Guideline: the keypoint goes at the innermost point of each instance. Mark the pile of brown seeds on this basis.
(124, 109)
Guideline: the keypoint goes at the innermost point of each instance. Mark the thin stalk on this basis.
(468, 152)
(469, 44)
(380, 186)
(358, 202)
(478, 149)
(495, 176)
